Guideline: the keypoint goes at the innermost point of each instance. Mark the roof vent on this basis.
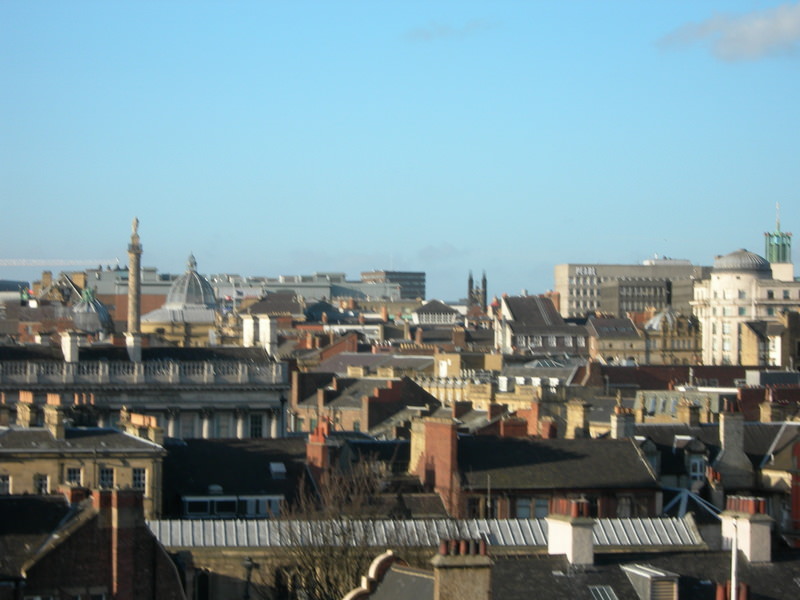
(215, 489)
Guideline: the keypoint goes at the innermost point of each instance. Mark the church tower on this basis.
(134, 280)
(778, 250)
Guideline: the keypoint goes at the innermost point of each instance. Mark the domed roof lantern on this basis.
(742, 261)
(191, 289)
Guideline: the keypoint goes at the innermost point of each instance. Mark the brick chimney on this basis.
(418, 336)
(577, 419)
(317, 452)
(732, 463)
(26, 410)
(570, 530)
(53, 416)
(438, 465)
(122, 512)
(462, 570)
(744, 518)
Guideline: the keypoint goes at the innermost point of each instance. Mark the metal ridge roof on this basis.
(608, 533)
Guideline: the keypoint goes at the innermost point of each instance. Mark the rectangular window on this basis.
(770, 295)
(568, 342)
(537, 341)
(785, 294)
(581, 342)
(541, 508)
(41, 484)
(256, 427)
(552, 340)
(742, 295)
(195, 508)
(106, 477)
(139, 478)
(522, 508)
(742, 311)
(74, 475)
(5, 485)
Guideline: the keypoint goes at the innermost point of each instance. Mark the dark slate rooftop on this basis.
(118, 353)
(277, 304)
(340, 362)
(239, 466)
(608, 328)
(760, 439)
(76, 439)
(26, 523)
(405, 582)
(698, 572)
(534, 311)
(515, 463)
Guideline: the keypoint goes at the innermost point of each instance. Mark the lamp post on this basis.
(248, 565)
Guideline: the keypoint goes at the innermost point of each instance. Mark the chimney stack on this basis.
(623, 423)
(732, 463)
(462, 569)
(577, 419)
(570, 530)
(744, 518)
(53, 416)
(69, 346)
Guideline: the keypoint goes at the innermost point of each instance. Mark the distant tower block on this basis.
(134, 280)
(778, 250)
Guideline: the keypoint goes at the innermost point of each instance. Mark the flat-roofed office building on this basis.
(618, 289)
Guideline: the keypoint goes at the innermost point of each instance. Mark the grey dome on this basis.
(741, 260)
(191, 290)
(90, 315)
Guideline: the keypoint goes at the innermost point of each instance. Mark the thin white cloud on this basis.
(771, 32)
(438, 31)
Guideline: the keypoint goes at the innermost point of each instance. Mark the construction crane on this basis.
(55, 262)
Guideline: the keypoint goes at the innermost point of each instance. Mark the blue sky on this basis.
(277, 138)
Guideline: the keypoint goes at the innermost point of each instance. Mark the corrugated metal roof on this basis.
(633, 533)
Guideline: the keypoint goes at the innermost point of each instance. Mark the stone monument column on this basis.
(134, 280)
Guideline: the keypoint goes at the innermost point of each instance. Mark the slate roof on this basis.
(339, 363)
(277, 304)
(76, 439)
(118, 353)
(534, 311)
(530, 464)
(239, 466)
(404, 582)
(436, 307)
(698, 571)
(26, 523)
(759, 438)
(607, 328)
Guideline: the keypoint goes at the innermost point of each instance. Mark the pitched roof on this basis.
(533, 310)
(76, 439)
(531, 464)
(28, 521)
(436, 307)
(117, 353)
(238, 466)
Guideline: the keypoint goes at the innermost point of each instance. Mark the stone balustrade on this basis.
(130, 373)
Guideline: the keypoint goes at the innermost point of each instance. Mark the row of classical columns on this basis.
(269, 420)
